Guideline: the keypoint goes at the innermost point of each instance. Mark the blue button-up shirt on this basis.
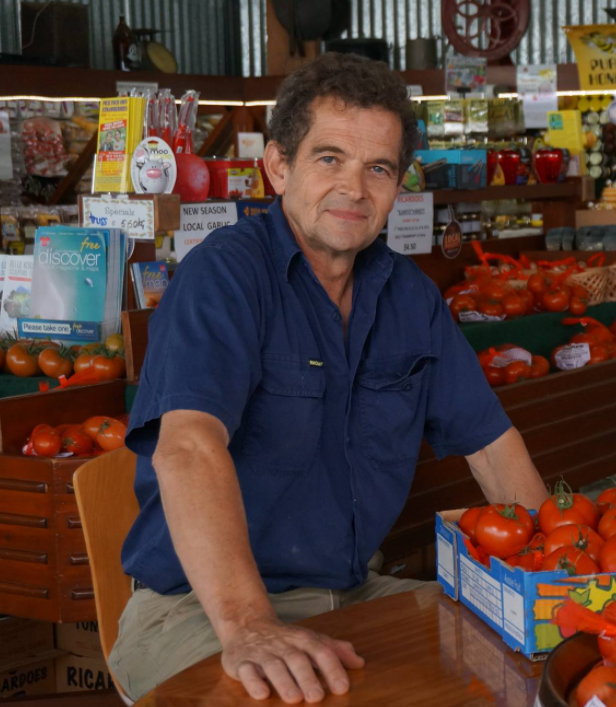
(325, 429)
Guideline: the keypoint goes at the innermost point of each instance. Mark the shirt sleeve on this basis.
(464, 415)
(203, 344)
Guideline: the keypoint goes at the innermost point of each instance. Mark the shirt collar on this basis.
(377, 257)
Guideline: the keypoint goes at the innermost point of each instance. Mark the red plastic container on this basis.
(219, 175)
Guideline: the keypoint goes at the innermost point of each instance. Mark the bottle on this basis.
(126, 52)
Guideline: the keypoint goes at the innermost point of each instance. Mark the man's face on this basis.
(343, 182)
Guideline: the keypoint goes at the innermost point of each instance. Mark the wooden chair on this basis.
(108, 506)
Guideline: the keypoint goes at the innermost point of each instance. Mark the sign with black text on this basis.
(198, 220)
(411, 223)
(134, 216)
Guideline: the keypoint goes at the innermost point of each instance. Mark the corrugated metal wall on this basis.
(229, 36)
(544, 42)
(205, 36)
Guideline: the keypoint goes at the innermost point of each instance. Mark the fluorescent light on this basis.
(50, 99)
(207, 102)
(251, 104)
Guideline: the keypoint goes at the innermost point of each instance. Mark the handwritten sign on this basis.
(411, 223)
(198, 220)
(136, 217)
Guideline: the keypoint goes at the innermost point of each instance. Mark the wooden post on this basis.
(279, 59)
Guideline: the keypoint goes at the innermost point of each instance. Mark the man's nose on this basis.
(352, 183)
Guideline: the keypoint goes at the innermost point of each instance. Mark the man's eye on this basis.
(379, 170)
(328, 159)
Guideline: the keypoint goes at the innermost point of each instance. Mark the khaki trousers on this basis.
(159, 636)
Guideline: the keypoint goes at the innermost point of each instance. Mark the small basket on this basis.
(595, 280)
(609, 294)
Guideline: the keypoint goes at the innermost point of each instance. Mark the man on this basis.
(293, 367)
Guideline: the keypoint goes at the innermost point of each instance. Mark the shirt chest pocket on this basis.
(392, 397)
(285, 417)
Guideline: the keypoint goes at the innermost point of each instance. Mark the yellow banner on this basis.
(595, 50)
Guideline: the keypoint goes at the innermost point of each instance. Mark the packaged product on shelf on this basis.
(454, 118)
(16, 290)
(9, 223)
(436, 118)
(477, 116)
(43, 146)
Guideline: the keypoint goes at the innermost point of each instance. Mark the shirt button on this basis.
(337, 316)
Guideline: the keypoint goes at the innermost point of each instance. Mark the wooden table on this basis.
(421, 648)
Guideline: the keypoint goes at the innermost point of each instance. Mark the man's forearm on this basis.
(207, 521)
(506, 473)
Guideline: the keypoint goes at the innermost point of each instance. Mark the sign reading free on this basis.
(198, 220)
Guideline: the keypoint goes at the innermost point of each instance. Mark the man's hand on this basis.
(287, 655)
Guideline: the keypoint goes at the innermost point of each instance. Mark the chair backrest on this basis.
(108, 507)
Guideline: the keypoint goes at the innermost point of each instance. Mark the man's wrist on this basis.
(233, 618)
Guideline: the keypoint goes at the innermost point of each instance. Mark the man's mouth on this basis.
(347, 215)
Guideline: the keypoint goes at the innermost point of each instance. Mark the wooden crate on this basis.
(44, 568)
(567, 421)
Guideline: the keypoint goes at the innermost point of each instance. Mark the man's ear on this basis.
(276, 166)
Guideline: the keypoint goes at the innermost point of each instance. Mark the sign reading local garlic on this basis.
(595, 50)
(198, 220)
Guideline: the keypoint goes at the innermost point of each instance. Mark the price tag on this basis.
(135, 216)
(411, 223)
(572, 356)
(198, 220)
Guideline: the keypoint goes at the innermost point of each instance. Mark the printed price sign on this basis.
(198, 220)
(135, 216)
(410, 223)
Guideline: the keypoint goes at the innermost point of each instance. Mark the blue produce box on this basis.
(453, 169)
(518, 605)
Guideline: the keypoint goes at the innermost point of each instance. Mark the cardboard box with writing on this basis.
(75, 674)
(81, 638)
(35, 678)
(23, 640)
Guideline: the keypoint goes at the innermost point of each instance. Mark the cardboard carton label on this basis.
(81, 638)
(74, 674)
(31, 679)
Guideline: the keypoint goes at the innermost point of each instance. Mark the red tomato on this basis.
(517, 371)
(504, 530)
(93, 424)
(579, 291)
(83, 362)
(598, 354)
(495, 376)
(47, 443)
(577, 306)
(537, 283)
(607, 558)
(492, 308)
(527, 297)
(540, 367)
(468, 520)
(607, 524)
(555, 300)
(462, 303)
(39, 428)
(572, 559)
(580, 536)
(600, 682)
(111, 435)
(565, 507)
(606, 498)
(607, 644)
(514, 306)
(56, 362)
(109, 367)
(495, 290)
(75, 440)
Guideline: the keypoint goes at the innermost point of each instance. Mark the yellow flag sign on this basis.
(595, 51)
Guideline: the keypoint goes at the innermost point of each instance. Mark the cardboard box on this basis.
(518, 605)
(23, 640)
(81, 638)
(77, 674)
(35, 678)
(595, 217)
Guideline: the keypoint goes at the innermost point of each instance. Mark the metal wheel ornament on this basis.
(485, 28)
